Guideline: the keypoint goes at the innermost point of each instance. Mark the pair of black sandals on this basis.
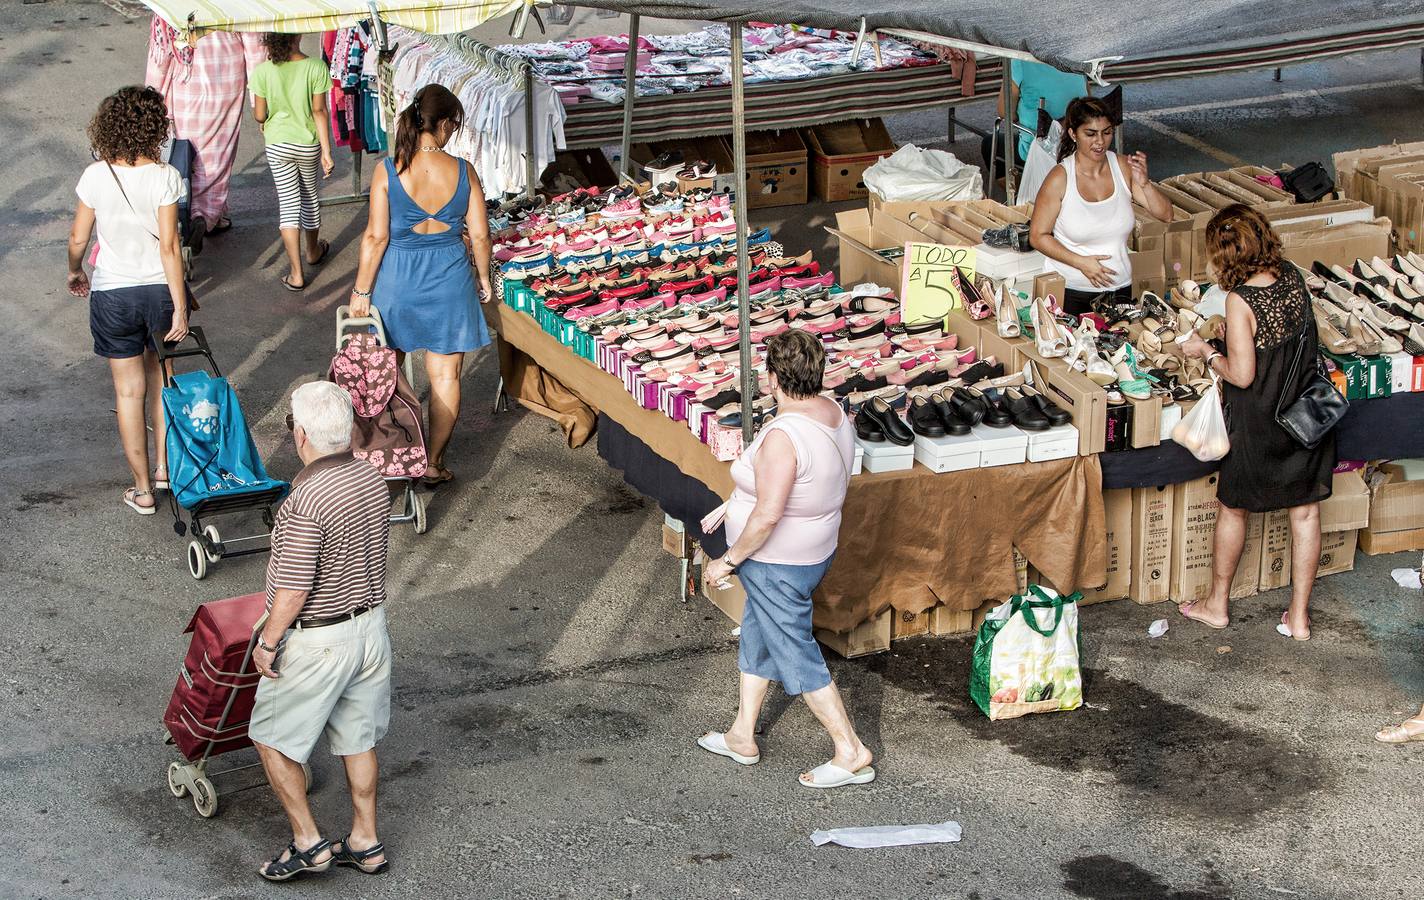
(300, 861)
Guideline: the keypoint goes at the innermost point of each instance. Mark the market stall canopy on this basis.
(194, 17)
(1073, 35)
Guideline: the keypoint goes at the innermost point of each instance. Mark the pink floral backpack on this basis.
(388, 431)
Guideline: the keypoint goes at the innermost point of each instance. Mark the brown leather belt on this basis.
(334, 620)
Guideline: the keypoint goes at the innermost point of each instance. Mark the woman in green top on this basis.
(290, 89)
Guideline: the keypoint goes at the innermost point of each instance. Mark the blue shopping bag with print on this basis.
(210, 451)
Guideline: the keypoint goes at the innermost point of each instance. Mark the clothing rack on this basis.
(514, 69)
(359, 193)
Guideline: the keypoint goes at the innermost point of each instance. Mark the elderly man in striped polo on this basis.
(324, 650)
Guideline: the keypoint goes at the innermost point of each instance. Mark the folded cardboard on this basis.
(863, 251)
(840, 154)
(1151, 544)
(1348, 506)
(1117, 514)
(1275, 566)
(1396, 503)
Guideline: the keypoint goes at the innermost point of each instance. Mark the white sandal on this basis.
(829, 775)
(131, 501)
(716, 742)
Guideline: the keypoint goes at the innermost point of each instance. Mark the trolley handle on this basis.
(167, 352)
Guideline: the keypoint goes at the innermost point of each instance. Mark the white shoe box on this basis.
(885, 456)
(951, 453)
(1060, 442)
(1171, 415)
(1001, 446)
(859, 463)
(694, 419)
(1401, 373)
(1002, 263)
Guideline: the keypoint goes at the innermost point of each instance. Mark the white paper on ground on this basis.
(889, 835)
(1406, 578)
(1157, 628)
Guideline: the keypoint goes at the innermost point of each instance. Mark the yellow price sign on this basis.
(932, 275)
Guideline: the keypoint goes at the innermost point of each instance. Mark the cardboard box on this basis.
(907, 624)
(1151, 544)
(730, 600)
(776, 169)
(1117, 513)
(1149, 271)
(1366, 377)
(871, 636)
(1021, 570)
(1194, 507)
(1377, 543)
(1337, 552)
(1396, 504)
(840, 154)
(944, 621)
(1246, 178)
(1146, 428)
(675, 539)
(1275, 570)
(1117, 426)
(1074, 392)
(1247, 581)
(1402, 368)
(1348, 507)
(860, 258)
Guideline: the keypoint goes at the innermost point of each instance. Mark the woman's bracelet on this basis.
(1210, 357)
(360, 293)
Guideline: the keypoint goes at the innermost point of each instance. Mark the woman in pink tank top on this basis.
(782, 524)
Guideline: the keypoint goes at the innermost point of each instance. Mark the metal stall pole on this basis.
(1011, 140)
(531, 177)
(630, 92)
(739, 161)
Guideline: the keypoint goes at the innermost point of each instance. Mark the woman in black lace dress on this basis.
(1271, 348)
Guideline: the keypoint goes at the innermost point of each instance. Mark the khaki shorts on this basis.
(335, 681)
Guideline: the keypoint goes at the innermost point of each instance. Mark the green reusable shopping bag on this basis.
(1026, 656)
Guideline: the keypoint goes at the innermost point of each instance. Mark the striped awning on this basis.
(194, 17)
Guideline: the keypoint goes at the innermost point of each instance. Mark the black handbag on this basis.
(1319, 407)
(1308, 183)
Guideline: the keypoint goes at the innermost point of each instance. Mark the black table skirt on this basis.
(1383, 428)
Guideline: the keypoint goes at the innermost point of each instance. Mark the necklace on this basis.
(431, 149)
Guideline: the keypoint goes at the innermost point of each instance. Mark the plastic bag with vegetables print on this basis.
(1026, 656)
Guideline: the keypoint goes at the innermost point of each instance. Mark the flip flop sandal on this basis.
(356, 859)
(716, 742)
(444, 476)
(1185, 610)
(297, 862)
(827, 775)
(131, 501)
(321, 257)
(292, 287)
(1284, 630)
(1398, 734)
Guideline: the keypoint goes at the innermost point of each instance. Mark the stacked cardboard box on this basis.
(1391, 180)
(840, 154)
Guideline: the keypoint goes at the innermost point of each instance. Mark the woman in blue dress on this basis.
(426, 236)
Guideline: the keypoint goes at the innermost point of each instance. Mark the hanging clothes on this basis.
(204, 85)
(495, 138)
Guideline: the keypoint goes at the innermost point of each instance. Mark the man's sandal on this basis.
(356, 859)
(297, 862)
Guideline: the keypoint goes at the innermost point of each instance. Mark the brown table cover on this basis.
(910, 539)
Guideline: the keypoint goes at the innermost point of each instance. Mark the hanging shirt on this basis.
(288, 89)
(1037, 81)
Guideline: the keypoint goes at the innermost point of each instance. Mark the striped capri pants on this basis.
(294, 169)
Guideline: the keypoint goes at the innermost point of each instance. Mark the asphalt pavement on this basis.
(549, 684)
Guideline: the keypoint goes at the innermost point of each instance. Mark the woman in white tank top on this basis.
(1083, 216)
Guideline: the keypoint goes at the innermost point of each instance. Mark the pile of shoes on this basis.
(1373, 308)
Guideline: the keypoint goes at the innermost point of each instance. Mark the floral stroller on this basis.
(387, 431)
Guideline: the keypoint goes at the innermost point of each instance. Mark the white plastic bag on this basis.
(1203, 430)
(1042, 157)
(914, 174)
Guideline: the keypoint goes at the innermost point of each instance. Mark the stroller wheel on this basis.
(205, 798)
(418, 502)
(211, 533)
(175, 784)
(197, 560)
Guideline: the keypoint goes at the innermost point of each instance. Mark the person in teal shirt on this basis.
(290, 91)
(1028, 83)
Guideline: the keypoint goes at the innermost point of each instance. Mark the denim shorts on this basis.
(123, 320)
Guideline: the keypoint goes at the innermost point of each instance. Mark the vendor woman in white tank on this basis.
(1083, 215)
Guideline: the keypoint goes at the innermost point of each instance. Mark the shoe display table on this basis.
(950, 540)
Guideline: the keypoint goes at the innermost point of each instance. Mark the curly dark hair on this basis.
(280, 46)
(1240, 243)
(131, 122)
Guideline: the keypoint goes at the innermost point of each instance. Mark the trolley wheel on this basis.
(205, 798)
(176, 785)
(418, 502)
(306, 770)
(197, 560)
(211, 533)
